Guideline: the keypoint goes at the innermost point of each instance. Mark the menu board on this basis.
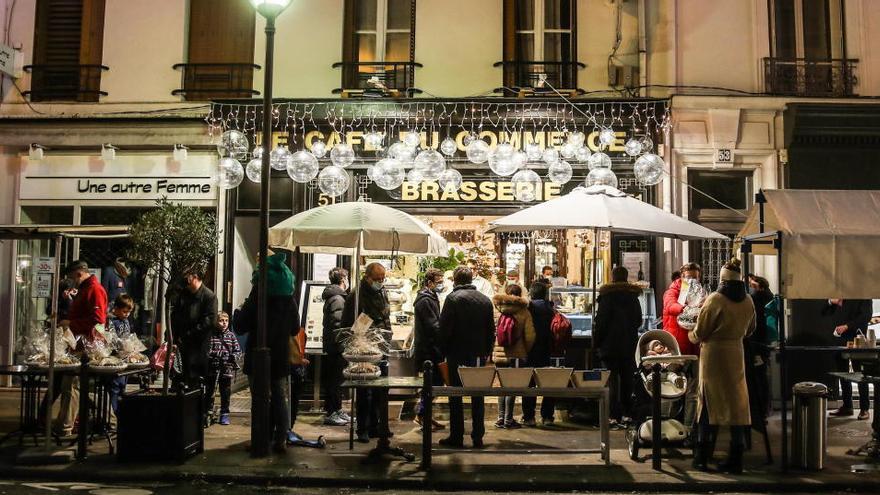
(312, 308)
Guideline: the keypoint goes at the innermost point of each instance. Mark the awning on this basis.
(33, 231)
(830, 241)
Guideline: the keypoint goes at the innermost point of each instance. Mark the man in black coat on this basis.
(426, 329)
(467, 334)
(849, 316)
(334, 304)
(372, 301)
(616, 335)
(193, 319)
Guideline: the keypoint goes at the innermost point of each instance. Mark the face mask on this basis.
(377, 286)
(439, 288)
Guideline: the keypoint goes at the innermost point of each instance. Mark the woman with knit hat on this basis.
(727, 317)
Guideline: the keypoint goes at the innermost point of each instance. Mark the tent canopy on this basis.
(603, 207)
(830, 241)
(51, 231)
(339, 228)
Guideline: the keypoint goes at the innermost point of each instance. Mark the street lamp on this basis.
(260, 416)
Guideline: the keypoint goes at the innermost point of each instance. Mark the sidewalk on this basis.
(227, 461)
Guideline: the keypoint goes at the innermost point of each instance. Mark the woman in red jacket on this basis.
(672, 308)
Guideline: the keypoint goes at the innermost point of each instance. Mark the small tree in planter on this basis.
(168, 241)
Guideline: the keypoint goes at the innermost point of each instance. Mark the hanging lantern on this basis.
(448, 146)
(649, 169)
(230, 173)
(254, 170)
(526, 185)
(233, 144)
(478, 151)
(647, 144)
(550, 155)
(577, 138)
(302, 166)
(450, 179)
(501, 163)
(278, 157)
(533, 151)
(430, 163)
(414, 177)
(582, 154)
(633, 147)
(559, 172)
(599, 160)
(389, 174)
(319, 149)
(342, 155)
(601, 177)
(373, 139)
(333, 181)
(606, 137)
(412, 139)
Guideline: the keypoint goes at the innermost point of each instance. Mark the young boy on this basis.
(222, 366)
(119, 324)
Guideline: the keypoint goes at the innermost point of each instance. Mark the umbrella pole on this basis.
(595, 271)
(356, 269)
(50, 375)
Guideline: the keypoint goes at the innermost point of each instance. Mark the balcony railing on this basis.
(529, 74)
(378, 79)
(802, 77)
(207, 81)
(65, 82)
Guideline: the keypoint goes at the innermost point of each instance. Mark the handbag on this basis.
(444, 372)
(295, 352)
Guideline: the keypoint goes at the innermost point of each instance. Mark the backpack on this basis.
(560, 331)
(506, 331)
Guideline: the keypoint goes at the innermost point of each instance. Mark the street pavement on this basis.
(226, 464)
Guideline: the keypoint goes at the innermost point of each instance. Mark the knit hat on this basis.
(280, 280)
(731, 271)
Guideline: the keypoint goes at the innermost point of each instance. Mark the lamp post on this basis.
(260, 365)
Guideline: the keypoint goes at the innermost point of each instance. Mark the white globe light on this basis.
(647, 144)
(520, 159)
(319, 149)
(374, 139)
(278, 157)
(389, 174)
(333, 181)
(550, 155)
(450, 179)
(526, 185)
(559, 172)
(502, 164)
(633, 147)
(233, 144)
(606, 137)
(599, 160)
(302, 166)
(504, 150)
(254, 169)
(371, 172)
(257, 153)
(470, 138)
(430, 163)
(533, 151)
(568, 150)
(402, 153)
(342, 155)
(478, 151)
(412, 139)
(414, 177)
(230, 173)
(649, 169)
(601, 177)
(448, 146)
(582, 154)
(576, 138)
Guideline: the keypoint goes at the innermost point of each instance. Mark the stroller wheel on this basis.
(632, 440)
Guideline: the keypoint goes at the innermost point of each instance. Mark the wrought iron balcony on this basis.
(207, 81)
(65, 82)
(802, 77)
(377, 79)
(528, 75)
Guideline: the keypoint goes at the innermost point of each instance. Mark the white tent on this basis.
(830, 241)
(602, 207)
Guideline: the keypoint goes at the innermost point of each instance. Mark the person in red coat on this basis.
(88, 308)
(672, 308)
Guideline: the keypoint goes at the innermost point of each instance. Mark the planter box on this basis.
(553, 377)
(476, 376)
(592, 379)
(155, 427)
(515, 377)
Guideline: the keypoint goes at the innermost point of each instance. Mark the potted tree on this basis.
(154, 424)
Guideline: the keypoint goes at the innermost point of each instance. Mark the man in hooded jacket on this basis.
(334, 303)
(426, 329)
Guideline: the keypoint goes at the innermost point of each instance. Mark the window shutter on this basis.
(221, 31)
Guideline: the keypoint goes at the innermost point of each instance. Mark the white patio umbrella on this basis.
(602, 208)
(356, 228)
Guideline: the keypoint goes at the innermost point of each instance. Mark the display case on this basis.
(576, 303)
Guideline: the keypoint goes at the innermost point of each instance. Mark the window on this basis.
(68, 46)
(220, 52)
(379, 44)
(540, 38)
(808, 47)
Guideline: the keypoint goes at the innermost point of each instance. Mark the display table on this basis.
(872, 447)
(33, 383)
(383, 384)
(601, 394)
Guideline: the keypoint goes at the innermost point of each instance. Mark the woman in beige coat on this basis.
(512, 304)
(727, 317)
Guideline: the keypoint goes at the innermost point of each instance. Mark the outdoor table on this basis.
(33, 380)
(385, 383)
(601, 394)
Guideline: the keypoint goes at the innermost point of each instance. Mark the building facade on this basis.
(761, 94)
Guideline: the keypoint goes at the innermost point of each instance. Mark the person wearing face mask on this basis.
(334, 303)
(373, 302)
(426, 328)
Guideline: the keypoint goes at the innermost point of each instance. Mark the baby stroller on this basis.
(653, 417)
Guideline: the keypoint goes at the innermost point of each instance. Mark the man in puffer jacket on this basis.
(334, 296)
(514, 305)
